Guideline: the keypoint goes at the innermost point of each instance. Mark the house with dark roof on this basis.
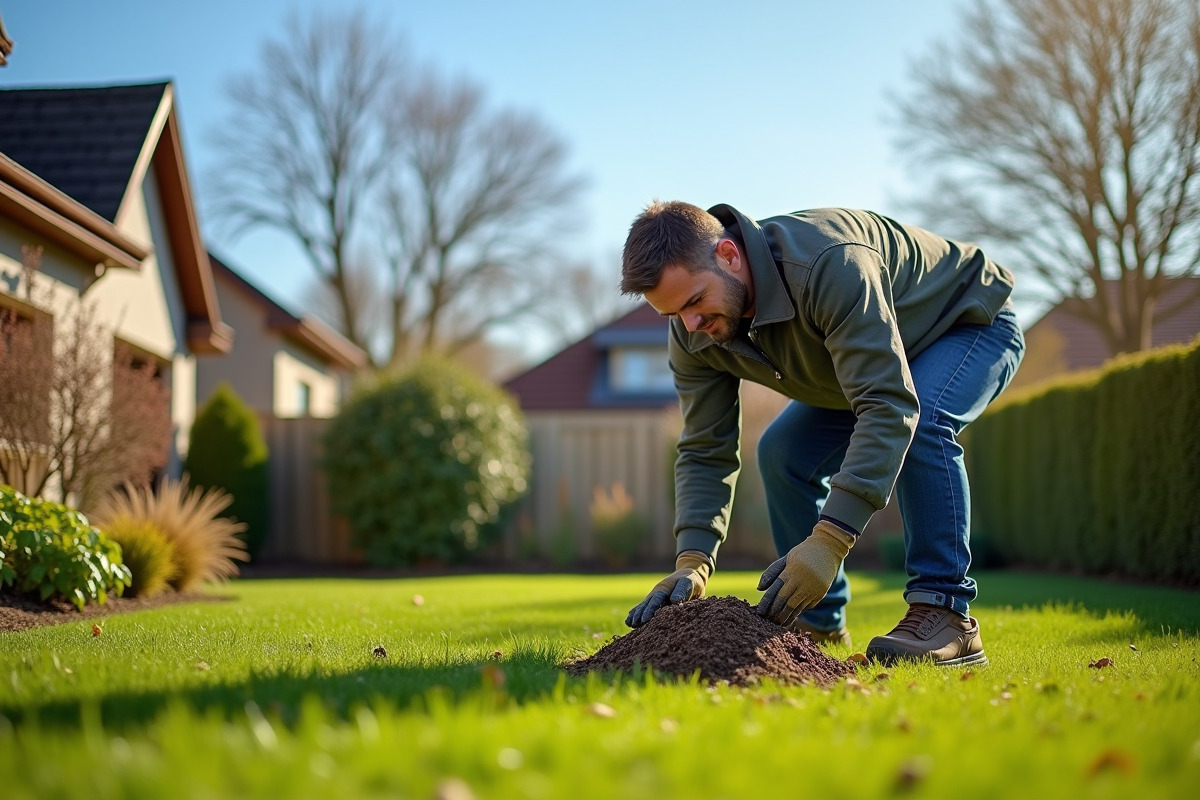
(1062, 341)
(284, 365)
(96, 204)
(602, 414)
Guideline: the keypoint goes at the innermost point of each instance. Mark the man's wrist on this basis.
(848, 528)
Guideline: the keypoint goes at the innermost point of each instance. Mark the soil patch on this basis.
(722, 637)
(19, 613)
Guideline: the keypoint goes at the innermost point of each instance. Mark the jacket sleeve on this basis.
(851, 303)
(708, 460)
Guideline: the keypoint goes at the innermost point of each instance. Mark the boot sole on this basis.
(889, 659)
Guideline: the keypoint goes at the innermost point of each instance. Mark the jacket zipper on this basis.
(753, 333)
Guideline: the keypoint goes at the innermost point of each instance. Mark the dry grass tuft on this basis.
(206, 544)
(147, 551)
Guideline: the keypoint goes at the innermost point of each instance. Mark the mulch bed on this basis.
(19, 612)
(722, 637)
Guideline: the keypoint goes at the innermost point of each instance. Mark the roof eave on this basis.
(31, 202)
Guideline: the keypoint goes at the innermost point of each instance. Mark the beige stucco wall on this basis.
(265, 368)
(293, 368)
(142, 307)
(248, 367)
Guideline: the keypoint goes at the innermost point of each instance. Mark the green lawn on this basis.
(276, 693)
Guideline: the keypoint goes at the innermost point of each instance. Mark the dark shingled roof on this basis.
(84, 142)
(569, 380)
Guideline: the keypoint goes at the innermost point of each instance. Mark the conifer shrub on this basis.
(425, 464)
(228, 452)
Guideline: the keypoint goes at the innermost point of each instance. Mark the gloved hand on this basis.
(687, 582)
(800, 579)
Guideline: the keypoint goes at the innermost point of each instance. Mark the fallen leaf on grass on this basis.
(857, 658)
(97, 630)
(202, 666)
(911, 773)
(601, 710)
(453, 789)
(967, 675)
(493, 676)
(1101, 663)
(418, 600)
(1111, 759)
(380, 652)
(883, 676)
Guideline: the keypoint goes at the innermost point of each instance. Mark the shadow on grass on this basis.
(520, 678)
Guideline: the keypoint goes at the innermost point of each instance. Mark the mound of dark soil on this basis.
(722, 637)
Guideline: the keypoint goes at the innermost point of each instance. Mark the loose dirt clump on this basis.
(722, 637)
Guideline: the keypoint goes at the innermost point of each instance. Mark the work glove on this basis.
(687, 582)
(800, 579)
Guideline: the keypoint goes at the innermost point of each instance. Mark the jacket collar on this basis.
(772, 302)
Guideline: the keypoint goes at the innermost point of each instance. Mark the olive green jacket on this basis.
(843, 299)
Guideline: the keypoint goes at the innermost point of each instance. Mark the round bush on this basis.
(425, 463)
(227, 451)
(147, 552)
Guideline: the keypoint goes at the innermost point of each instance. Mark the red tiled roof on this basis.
(1083, 345)
(566, 380)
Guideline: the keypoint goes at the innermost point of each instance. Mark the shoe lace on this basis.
(914, 617)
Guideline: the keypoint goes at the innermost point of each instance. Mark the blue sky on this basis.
(770, 106)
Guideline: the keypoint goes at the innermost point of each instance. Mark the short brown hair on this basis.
(673, 233)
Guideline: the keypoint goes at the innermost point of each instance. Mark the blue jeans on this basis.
(956, 377)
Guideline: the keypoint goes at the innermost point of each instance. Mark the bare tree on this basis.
(406, 191)
(302, 144)
(475, 200)
(71, 407)
(1068, 131)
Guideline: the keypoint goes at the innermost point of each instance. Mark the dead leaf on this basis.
(1111, 759)
(967, 675)
(97, 630)
(1101, 663)
(380, 652)
(857, 658)
(496, 654)
(453, 789)
(601, 710)
(883, 676)
(418, 600)
(911, 773)
(493, 676)
(202, 666)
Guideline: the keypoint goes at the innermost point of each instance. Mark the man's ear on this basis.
(728, 252)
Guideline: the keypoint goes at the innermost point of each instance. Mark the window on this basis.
(303, 399)
(640, 370)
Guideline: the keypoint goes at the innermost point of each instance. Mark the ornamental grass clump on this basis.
(147, 551)
(206, 544)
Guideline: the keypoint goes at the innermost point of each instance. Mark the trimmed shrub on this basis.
(206, 544)
(51, 550)
(147, 552)
(425, 464)
(228, 452)
(1098, 472)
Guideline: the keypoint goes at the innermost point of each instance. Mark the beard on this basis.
(723, 326)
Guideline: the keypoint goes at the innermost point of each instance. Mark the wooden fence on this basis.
(573, 455)
(303, 527)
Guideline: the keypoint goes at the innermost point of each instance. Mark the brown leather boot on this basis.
(840, 636)
(930, 633)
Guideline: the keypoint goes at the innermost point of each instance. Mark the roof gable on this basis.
(93, 145)
(84, 142)
(576, 378)
(310, 333)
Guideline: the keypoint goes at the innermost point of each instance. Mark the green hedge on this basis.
(1098, 471)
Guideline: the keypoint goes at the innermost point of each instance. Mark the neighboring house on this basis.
(1062, 342)
(96, 178)
(601, 412)
(284, 365)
